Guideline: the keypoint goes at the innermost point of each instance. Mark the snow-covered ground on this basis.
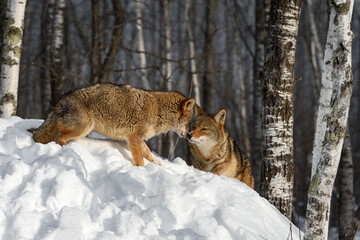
(89, 189)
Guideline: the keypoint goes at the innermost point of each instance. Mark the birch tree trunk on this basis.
(11, 51)
(346, 209)
(141, 45)
(277, 172)
(193, 69)
(260, 29)
(168, 71)
(332, 118)
(57, 84)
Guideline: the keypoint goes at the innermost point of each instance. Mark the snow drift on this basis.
(89, 189)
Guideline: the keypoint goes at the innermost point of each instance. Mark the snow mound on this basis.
(90, 189)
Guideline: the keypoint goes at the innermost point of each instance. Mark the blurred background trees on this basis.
(209, 49)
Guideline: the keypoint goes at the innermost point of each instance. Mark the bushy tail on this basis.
(47, 131)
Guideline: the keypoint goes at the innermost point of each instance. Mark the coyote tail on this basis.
(47, 131)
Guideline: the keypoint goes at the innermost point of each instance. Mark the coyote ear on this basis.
(199, 111)
(220, 117)
(187, 106)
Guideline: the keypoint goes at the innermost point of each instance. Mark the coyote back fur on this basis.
(119, 112)
(213, 150)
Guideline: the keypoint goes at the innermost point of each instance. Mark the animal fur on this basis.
(213, 150)
(120, 112)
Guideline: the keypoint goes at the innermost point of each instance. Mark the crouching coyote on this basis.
(119, 112)
(213, 150)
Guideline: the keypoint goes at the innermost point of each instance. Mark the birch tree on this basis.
(277, 172)
(168, 70)
(57, 43)
(193, 68)
(332, 118)
(141, 45)
(11, 51)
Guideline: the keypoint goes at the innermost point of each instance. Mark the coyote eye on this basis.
(204, 129)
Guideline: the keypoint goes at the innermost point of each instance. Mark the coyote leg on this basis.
(134, 143)
(67, 133)
(65, 136)
(147, 153)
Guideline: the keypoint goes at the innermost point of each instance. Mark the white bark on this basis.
(58, 30)
(56, 49)
(332, 118)
(277, 172)
(193, 69)
(11, 51)
(141, 45)
(168, 70)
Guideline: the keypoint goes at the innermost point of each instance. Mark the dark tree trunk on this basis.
(346, 210)
(95, 43)
(45, 85)
(209, 55)
(256, 154)
(116, 41)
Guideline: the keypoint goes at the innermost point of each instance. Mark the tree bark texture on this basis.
(277, 172)
(332, 118)
(316, 50)
(193, 68)
(57, 43)
(95, 43)
(168, 72)
(11, 52)
(3, 4)
(346, 209)
(209, 55)
(45, 87)
(141, 45)
(116, 41)
(260, 29)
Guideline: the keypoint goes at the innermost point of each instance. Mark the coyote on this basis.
(120, 112)
(213, 150)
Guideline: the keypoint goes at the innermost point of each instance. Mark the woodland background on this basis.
(171, 45)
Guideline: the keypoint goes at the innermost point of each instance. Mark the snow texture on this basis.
(90, 189)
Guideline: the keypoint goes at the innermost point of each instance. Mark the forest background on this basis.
(203, 48)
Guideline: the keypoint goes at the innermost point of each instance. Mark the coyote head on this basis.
(207, 130)
(181, 125)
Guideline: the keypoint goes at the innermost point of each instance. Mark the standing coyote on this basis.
(119, 112)
(213, 150)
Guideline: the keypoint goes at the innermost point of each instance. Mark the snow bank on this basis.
(90, 190)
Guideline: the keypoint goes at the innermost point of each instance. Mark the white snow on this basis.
(89, 189)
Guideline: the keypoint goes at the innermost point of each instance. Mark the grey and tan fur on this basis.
(119, 112)
(213, 150)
